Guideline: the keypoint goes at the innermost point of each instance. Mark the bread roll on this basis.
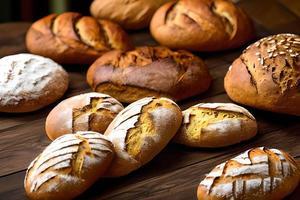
(149, 71)
(215, 125)
(259, 173)
(267, 75)
(86, 112)
(68, 166)
(140, 132)
(201, 25)
(129, 14)
(29, 82)
(75, 39)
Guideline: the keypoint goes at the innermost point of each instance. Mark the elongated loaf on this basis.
(149, 71)
(140, 132)
(216, 125)
(75, 39)
(259, 173)
(86, 112)
(68, 166)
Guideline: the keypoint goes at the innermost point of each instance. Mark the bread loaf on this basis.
(201, 25)
(267, 75)
(130, 14)
(75, 39)
(149, 71)
(86, 112)
(215, 125)
(259, 173)
(140, 132)
(68, 166)
(29, 82)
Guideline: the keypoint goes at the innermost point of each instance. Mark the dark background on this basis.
(31, 10)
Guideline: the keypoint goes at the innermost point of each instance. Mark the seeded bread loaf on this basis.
(68, 166)
(259, 173)
(86, 112)
(140, 132)
(201, 25)
(29, 82)
(267, 75)
(215, 125)
(75, 39)
(149, 71)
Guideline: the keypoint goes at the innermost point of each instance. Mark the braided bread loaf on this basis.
(259, 173)
(68, 166)
(75, 39)
(140, 132)
(267, 75)
(201, 25)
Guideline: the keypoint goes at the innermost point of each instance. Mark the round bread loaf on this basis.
(201, 25)
(259, 173)
(86, 112)
(68, 166)
(140, 132)
(29, 82)
(215, 125)
(267, 75)
(75, 39)
(130, 14)
(149, 71)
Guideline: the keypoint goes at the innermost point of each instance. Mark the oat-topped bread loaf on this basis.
(130, 14)
(259, 173)
(29, 82)
(85, 112)
(75, 39)
(201, 25)
(215, 125)
(149, 71)
(68, 166)
(140, 132)
(267, 75)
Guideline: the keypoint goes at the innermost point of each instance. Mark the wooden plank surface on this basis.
(177, 170)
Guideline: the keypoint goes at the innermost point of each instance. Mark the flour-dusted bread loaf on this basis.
(130, 14)
(29, 82)
(257, 174)
(140, 132)
(149, 71)
(267, 75)
(215, 125)
(68, 166)
(201, 25)
(75, 39)
(85, 112)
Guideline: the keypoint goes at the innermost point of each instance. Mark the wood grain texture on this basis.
(176, 172)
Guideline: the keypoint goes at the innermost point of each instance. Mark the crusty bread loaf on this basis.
(129, 14)
(29, 82)
(75, 39)
(140, 132)
(201, 25)
(215, 125)
(259, 173)
(149, 71)
(68, 166)
(267, 75)
(86, 112)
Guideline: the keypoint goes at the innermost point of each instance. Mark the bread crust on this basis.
(201, 25)
(259, 173)
(267, 75)
(149, 71)
(85, 112)
(71, 38)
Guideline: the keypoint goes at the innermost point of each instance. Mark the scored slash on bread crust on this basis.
(259, 173)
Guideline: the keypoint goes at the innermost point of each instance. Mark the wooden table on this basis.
(176, 172)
